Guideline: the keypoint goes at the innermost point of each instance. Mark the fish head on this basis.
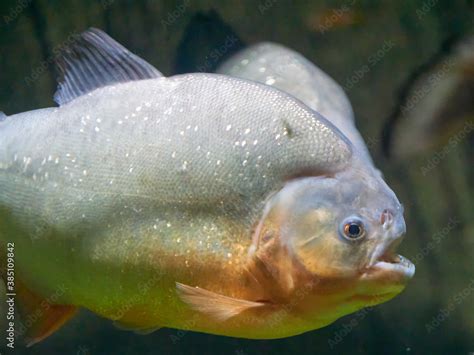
(343, 230)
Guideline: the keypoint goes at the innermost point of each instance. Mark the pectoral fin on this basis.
(40, 316)
(217, 306)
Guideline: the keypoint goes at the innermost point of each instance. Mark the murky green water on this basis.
(372, 48)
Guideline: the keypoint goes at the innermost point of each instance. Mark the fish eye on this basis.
(353, 229)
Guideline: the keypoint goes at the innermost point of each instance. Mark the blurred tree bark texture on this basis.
(371, 48)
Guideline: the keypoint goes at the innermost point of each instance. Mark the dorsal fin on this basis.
(95, 60)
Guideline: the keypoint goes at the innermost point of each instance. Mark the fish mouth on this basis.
(396, 264)
(384, 278)
(385, 263)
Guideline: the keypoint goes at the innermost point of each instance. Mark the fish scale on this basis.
(186, 157)
(151, 201)
(102, 173)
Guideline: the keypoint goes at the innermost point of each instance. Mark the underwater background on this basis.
(389, 56)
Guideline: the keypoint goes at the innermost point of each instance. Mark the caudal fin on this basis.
(39, 316)
(45, 317)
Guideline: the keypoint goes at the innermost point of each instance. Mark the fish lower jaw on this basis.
(395, 264)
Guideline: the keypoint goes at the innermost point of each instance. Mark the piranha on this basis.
(285, 69)
(199, 201)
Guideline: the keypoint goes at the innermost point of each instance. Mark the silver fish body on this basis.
(285, 69)
(151, 154)
(183, 139)
(154, 201)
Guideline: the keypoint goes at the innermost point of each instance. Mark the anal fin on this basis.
(135, 329)
(215, 305)
(47, 317)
